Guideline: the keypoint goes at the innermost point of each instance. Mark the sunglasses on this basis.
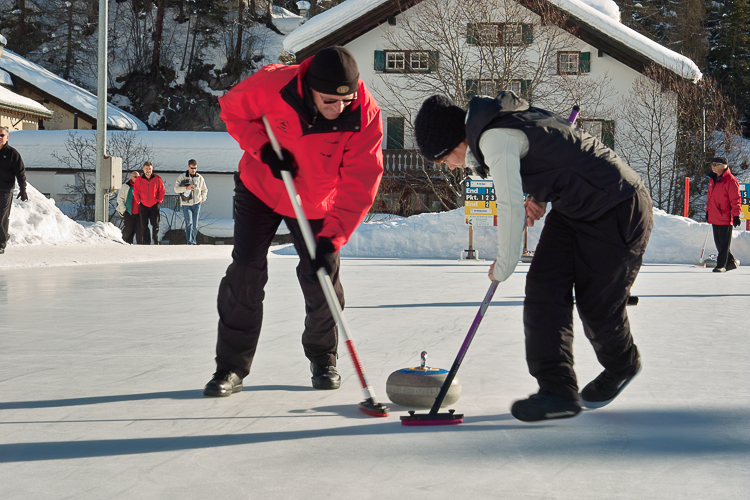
(716, 164)
(192, 168)
(3, 135)
(334, 101)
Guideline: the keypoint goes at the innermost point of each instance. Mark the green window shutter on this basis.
(395, 138)
(584, 62)
(472, 87)
(528, 34)
(608, 133)
(379, 60)
(471, 34)
(434, 61)
(526, 89)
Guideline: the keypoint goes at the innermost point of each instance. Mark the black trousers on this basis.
(600, 260)
(132, 228)
(150, 214)
(241, 292)
(6, 202)
(723, 240)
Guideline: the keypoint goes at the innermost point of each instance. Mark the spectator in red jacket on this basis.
(723, 211)
(330, 129)
(148, 193)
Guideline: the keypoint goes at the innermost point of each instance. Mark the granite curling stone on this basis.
(418, 387)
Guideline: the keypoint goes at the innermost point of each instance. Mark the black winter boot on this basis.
(545, 406)
(325, 377)
(604, 388)
(225, 383)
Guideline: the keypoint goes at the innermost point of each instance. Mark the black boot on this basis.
(225, 383)
(325, 377)
(604, 388)
(545, 406)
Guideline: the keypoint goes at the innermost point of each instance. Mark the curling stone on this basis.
(417, 387)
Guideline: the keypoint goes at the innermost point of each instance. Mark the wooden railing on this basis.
(398, 162)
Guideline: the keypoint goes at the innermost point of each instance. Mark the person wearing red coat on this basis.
(330, 130)
(148, 194)
(723, 211)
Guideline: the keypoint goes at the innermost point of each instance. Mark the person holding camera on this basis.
(191, 186)
(723, 211)
(148, 193)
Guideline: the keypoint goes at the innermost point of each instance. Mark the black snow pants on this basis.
(150, 214)
(241, 292)
(723, 240)
(6, 202)
(132, 228)
(600, 260)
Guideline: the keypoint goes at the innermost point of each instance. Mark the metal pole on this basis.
(100, 210)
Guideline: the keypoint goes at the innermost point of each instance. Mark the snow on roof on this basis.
(603, 15)
(215, 152)
(5, 78)
(17, 102)
(71, 94)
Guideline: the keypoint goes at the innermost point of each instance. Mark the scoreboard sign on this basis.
(480, 206)
(745, 208)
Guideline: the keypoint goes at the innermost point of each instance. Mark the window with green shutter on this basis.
(528, 34)
(434, 60)
(608, 133)
(379, 60)
(471, 34)
(526, 89)
(584, 62)
(395, 137)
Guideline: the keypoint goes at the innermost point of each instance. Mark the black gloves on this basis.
(324, 251)
(270, 158)
(736, 220)
(22, 195)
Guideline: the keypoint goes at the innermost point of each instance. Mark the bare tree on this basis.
(649, 138)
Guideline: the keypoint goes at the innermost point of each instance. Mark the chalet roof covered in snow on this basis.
(596, 21)
(48, 83)
(215, 152)
(19, 104)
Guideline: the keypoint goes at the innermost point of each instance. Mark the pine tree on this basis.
(729, 53)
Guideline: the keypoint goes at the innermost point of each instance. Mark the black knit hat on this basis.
(439, 127)
(333, 71)
(720, 159)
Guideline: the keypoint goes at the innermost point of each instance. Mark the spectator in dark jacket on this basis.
(723, 211)
(593, 239)
(148, 193)
(11, 170)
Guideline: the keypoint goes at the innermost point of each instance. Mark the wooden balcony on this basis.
(409, 163)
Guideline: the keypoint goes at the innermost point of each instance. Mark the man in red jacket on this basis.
(330, 129)
(148, 193)
(723, 211)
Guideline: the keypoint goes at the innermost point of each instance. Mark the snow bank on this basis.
(39, 221)
(675, 239)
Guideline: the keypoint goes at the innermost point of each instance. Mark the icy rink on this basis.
(102, 368)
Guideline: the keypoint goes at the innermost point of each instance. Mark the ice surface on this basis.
(102, 368)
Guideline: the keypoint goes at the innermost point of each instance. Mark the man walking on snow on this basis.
(723, 211)
(593, 238)
(148, 194)
(330, 129)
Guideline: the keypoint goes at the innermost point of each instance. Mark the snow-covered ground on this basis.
(102, 369)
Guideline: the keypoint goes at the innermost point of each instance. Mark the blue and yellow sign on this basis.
(480, 207)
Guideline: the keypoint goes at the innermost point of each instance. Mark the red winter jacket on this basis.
(723, 198)
(148, 191)
(340, 161)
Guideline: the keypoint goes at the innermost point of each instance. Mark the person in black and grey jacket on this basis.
(593, 240)
(11, 170)
(191, 186)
